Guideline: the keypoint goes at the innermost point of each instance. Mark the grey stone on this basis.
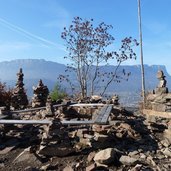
(167, 152)
(68, 168)
(91, 156)
(127, 160)
(55, 151)
(91, 167)
(106, 156)
(133, 153)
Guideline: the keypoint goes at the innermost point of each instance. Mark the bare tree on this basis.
(86, 46)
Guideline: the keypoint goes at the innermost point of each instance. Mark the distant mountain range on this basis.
(35, 69)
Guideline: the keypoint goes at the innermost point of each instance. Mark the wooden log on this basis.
(157, 113)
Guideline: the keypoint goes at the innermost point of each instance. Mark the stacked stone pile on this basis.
(160, 98)
(40, 94)
(55, 141)
(19, 98)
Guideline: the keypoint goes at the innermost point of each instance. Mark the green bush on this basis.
(58, 92)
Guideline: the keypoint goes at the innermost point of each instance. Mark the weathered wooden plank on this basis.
(58, 105)
(157, 113)
(3, 116)
(100, 114)
(87, 104)
(64, 122)
(28, 110)
(34, 109)
(106, 114)
(77, 122)
(3, 121)
(103, 114)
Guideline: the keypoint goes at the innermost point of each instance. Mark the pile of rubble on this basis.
(127, 143)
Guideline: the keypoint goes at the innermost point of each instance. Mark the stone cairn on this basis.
(161, 88)
(19, 98)
(40, 95)
(55, 141)
(49, 107)
(160, 98)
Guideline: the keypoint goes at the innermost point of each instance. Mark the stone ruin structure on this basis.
(19, 98)
(40, 94)
(160, 98)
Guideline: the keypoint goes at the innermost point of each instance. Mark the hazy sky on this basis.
(32, 28)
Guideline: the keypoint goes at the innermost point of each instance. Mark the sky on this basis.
(31, 29)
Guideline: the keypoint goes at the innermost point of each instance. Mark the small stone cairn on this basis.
(40, 95)
(160, 98)
(49, 107)
(161, 88)
(19, 98)
(55, 141)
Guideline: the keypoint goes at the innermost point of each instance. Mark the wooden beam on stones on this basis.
(3, 116)
(28, 110)
(89, 122)
(103, 115)
(34, 109)
(41, 122)
(106, 114)
(87, 104)
(157, 113)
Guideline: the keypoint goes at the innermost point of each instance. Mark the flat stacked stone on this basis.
(40, 94)
(19, 98)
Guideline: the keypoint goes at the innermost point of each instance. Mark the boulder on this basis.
(68, 168)
(91, 167)
(100, 137)
(167, 152)
(127, 160)
(106, 156)
(91, 156)
(56, 151)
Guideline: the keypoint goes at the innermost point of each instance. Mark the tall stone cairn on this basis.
(161, 88)
(19, 98)
(40, 94)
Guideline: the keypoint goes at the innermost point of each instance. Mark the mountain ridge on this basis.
(48, 71)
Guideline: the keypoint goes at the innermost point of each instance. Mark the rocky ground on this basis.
(129, 142)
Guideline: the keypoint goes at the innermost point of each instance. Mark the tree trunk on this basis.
(141, 51)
